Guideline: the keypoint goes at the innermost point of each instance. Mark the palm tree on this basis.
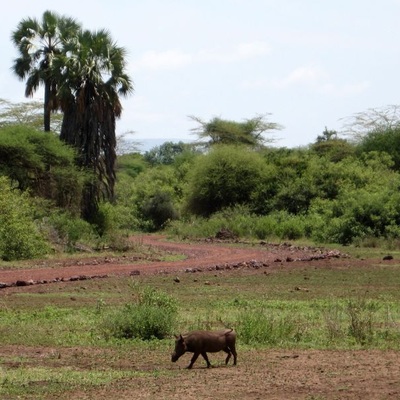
(93, 79)
(39, 44)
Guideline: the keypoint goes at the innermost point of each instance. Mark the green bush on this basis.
(385, 141)
(226, 177)
(39, 162)
(141, 322)
(71, 230)
(20, 236)
(151, 199)
(264, 227)
(152, 316)
(242, 223)
(159, 209)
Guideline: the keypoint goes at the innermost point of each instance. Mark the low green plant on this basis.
(151, 316)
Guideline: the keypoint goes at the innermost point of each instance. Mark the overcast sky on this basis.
(307, 63)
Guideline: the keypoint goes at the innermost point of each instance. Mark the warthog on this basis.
(203, 342)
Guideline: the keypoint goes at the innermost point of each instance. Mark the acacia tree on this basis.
(93, 77)
(219, 131)
(39, 43)
(26, 113)
(381, 119)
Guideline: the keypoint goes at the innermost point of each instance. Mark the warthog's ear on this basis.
(179, 337)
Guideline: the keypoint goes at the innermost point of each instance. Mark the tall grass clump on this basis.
(151, 316)
(361, 320)
(257, 326)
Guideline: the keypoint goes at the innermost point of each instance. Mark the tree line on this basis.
(59, 190)
(334, 190)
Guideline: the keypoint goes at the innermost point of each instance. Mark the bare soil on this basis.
(266, 374)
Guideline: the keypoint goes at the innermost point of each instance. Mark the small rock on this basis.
(176, 279)
(388, 257)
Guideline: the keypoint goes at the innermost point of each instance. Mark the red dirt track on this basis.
(198, 256)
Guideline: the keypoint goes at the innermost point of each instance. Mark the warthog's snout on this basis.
(174, 357)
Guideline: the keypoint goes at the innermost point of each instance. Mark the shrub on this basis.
(159, 209)
(20, 237)
(71, 230)
(264, 227)
(41, 163)
(226, 177)
(152, 316)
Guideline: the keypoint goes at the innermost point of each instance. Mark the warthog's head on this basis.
(180, 348)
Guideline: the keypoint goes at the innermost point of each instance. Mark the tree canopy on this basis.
(39, 43)
(249, 132)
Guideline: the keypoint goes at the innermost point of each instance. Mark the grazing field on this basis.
(321, 329)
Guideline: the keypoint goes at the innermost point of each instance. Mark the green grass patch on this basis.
(41, 381)
(303, 308)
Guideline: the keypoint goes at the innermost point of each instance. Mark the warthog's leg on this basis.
(233, 350)
(193, 360)
(204, 354)
(228, 351)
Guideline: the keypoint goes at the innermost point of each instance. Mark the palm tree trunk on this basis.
(46, 106)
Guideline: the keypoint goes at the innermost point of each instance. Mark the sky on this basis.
(305, 65)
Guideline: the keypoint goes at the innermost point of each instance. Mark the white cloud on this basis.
(313, 77)
(176, 59)
(253, 49)
(345, 90)
(170, 59)
(307, 75)
(243, 51)
(310, 75)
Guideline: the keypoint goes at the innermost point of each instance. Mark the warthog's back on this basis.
(209, 341)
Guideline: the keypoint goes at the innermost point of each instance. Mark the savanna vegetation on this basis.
(333, 191)
(65, 188)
